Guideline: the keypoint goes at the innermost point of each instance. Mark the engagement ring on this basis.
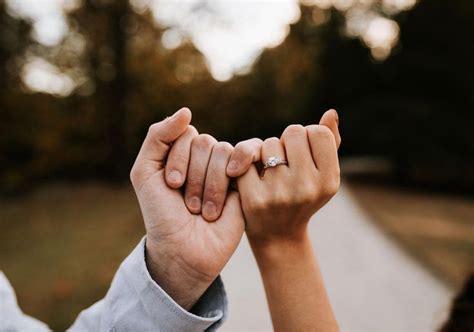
(273, 162)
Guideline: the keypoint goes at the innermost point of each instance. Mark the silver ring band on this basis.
(274, 162)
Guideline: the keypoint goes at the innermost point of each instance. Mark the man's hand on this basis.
(185, 253)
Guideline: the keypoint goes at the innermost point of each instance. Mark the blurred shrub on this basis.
(415, 108)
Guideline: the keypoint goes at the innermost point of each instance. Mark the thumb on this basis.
(160, 135)
(330, 119)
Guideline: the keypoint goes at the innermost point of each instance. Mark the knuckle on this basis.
(310, 129)
(139, 174)
(204, 141)
(294, 130)
(208, 138)
(135, 175)
(154, 129)
(285, 200)
(258, 203)
(308, 192)
(241, 145)
(321, 132)
(243, 148)
(271, 140)
(331, 187)
(192, 130)
(255, 141)
(223, 147)
(280, 198)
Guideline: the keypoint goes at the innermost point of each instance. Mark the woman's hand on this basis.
(278, 206)
(277, 209)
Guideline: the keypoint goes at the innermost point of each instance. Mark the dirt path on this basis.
(372, 283)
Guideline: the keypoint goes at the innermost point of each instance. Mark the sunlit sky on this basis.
(230, 38)
(230, 33)
(235, 32)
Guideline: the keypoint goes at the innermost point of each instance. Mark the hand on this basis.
(279, 205)
(200, 163)
(277, 209)
(185, 253)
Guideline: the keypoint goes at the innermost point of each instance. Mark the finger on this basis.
(323, 148)
(231, 224)
(272, 147)
(161, 134)
(330, 119)
(217, 181)
(156, 145)
(201, 149)
(178, 158)
(298, 152)
(245, 153)
(249, 182)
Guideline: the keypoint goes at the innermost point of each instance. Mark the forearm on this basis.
(294, 286)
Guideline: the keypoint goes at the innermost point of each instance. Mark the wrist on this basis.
(184, 286)
(267, 241)
(275, 249)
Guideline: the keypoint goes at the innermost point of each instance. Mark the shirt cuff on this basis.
(208, 313)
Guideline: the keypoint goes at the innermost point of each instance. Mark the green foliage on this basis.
(415, 108)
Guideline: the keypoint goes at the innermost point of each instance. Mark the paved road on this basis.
(372, 284)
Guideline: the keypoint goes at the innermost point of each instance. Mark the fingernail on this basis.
(233, 166)
(174, 176)
(337, 117)
(194, 203)
(209, 209)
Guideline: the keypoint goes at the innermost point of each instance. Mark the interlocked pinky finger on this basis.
(244, 155)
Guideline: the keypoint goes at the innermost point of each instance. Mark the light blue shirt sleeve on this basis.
(135, 302)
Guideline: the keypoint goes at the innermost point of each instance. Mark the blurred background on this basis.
(82, 80)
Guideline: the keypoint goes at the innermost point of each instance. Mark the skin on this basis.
(184, 252)
(277, 208)
(189, 240)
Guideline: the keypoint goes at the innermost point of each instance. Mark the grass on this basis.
(61, 244)
(437, 229)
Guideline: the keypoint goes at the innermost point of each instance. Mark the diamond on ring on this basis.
(273, 162)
